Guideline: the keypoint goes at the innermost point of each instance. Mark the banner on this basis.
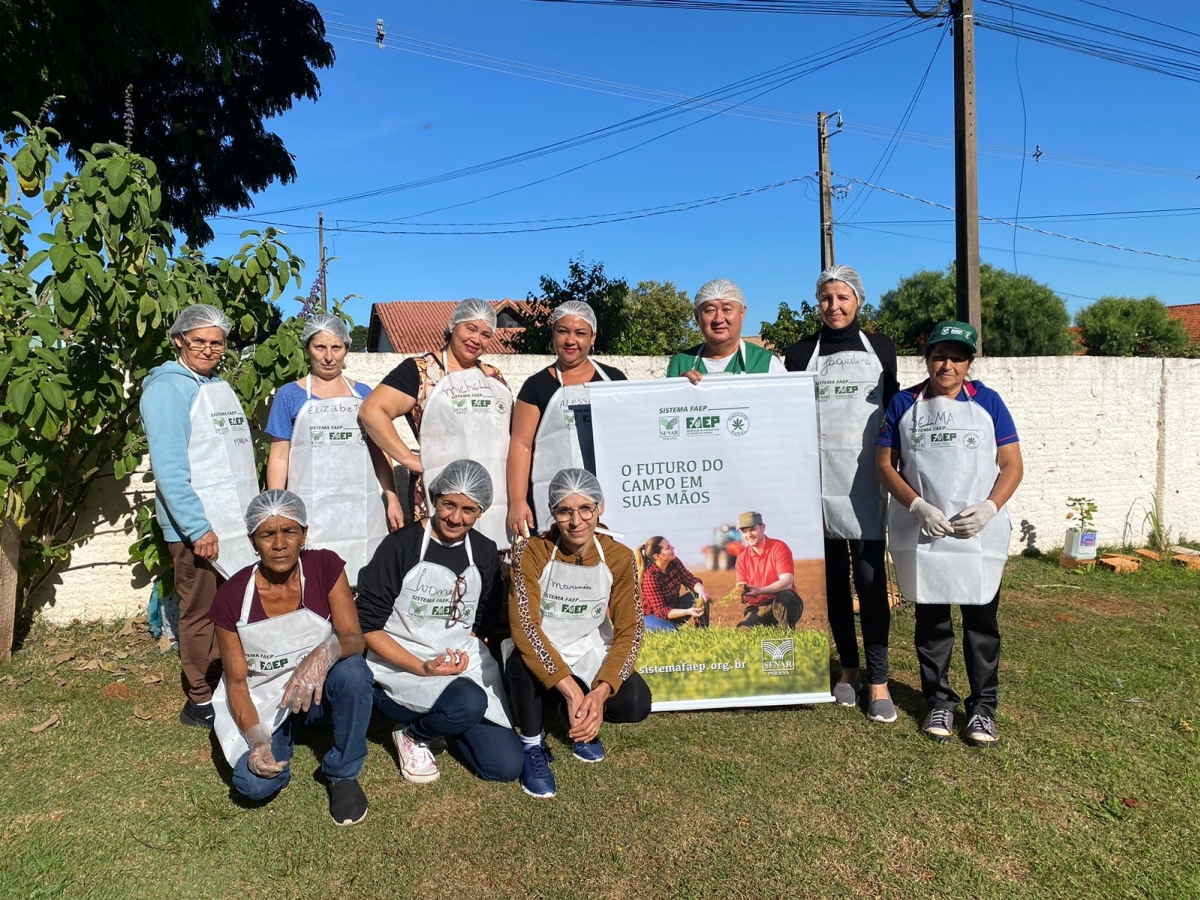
(683, 462)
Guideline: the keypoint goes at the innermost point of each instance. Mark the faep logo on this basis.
(779, 658)
(668, 427)
(738, 423)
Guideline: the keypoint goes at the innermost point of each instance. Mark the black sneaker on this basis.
(347, 802)
(198, 715)
(981, 731)
(939, 724)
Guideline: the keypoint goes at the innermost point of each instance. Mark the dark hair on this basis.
(647, 552)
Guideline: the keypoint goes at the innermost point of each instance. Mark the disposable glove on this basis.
(972, 520)
(262, 761)
(933, 521)
(304, 687)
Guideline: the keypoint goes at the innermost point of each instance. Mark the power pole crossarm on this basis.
(966, 176)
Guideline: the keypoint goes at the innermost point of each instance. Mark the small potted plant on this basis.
(1080, 542)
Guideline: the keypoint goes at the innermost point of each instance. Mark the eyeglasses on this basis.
(458, 603)
(449, 506)
(585, 513)
(199, 346)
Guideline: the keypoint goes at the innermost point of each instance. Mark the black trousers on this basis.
(630, 704)
(981, 653)
(866, 560)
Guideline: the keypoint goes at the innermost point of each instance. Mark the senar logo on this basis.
(779, 658)
(668, 427)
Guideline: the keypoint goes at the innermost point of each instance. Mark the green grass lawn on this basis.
(1094, 793)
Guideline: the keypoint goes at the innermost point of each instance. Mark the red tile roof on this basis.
(1189, 315)
(417, 326)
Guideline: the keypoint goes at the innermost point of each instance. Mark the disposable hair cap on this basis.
(718, 289)
(275, 502)
(574, 308)
(844, 274)
(328, 323)
(467, 477)
(574, 481)
(473, 310)
(201, 315)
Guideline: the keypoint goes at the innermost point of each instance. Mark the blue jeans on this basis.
(493, 752)
(654, 623)
(346, 704)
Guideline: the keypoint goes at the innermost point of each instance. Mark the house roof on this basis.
(1189, 315)
(418, 326)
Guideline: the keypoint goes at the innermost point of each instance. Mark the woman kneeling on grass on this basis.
(576, 615)
(427, 601)
(291, 650)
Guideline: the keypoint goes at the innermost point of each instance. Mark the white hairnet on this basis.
(574, 481)
(473, 310)
(328, 323)
(275, 503)
(466, 477)
(201, 315)
(718, 289)
(844, 274)
(574, 308)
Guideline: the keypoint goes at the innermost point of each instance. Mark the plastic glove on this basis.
(972, 520)
(262, 761)
(304, 687)
(933, 521)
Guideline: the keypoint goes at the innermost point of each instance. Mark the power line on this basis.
(1068, 237)
(764, 83)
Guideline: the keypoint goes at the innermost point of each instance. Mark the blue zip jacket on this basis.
(166, 406)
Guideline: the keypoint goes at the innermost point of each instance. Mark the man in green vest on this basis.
(720, 308)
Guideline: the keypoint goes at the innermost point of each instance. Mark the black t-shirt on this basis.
(797, 357)
(540, 387)
(380, 580)
(405, 378)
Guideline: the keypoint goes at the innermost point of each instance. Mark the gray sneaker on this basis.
(883, 710)
(939, 724)
(981, 731)
(846, 693)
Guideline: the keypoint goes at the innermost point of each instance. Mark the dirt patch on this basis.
(116, 691)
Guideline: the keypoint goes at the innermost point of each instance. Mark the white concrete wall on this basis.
(1120, 431)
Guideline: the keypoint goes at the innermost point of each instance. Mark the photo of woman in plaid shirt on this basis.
(664, 577)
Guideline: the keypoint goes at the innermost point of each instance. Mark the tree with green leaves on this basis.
(1020, 316)
(791, 325)
(587, 282)
(205, 74)
(84, 313)
(659, 321)
(1124, 326)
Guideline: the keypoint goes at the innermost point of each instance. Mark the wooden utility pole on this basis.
(966, 175)
(321, 269)
(826, 191)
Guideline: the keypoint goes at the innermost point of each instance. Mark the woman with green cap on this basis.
(950, 457)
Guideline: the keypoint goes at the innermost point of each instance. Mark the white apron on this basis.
(948, 456)
(221, 457)
(425, 620)
(330, 468)
(575, 613)
(467, 416)
(849, 409)
(273, 648)
(563, 441)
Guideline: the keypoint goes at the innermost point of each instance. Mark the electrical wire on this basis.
(1024, 140)
(1030, 228)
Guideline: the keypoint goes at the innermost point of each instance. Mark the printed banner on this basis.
(683, 463)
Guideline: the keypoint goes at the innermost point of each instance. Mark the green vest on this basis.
(750, 359)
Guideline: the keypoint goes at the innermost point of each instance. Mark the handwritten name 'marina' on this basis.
(567, 586)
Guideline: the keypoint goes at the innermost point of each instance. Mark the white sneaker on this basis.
(416, 760)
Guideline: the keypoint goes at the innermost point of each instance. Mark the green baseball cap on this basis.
(954, 331)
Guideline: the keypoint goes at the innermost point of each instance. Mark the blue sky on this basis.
(441, 97)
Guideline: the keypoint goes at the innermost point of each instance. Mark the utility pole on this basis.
(826, 191)
(966, 175)
(321, 266)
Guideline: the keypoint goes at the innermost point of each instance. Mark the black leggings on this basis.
(630, 704)
(870, 581)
